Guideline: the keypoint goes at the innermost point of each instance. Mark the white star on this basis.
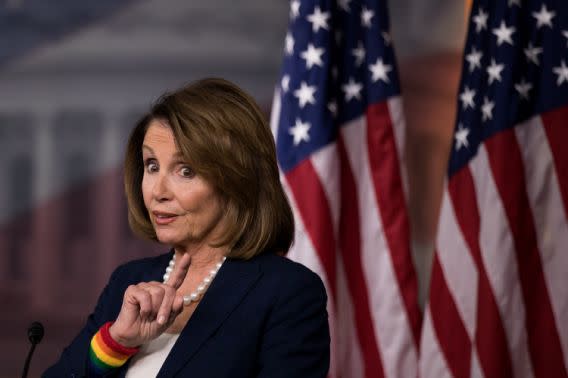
(359, 54)
(543, 17)
(285, 83)
(352, 90)
(289, 42)
(531, 52)
(379, 70)
(387, 38)
(318, 19)
(494, 71)
(366, 16)
(514, 2)
(344, 4)
(523, 88)
(312, 56)
(294, 9)
(480, 20)
(474, 59)
(565, 34)
(305, 94)
(332, 106)
(300, 132)
(503, 34)
(461, 137)
(487, 109)
(467, 98)
(562, 72)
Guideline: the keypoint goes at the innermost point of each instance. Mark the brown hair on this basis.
(223, 135)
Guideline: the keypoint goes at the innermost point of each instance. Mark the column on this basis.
(108, 214)
(44, 257)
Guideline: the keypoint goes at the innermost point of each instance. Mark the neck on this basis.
(203, 261)
(202, 257)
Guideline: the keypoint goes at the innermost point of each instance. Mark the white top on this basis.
(149, 360)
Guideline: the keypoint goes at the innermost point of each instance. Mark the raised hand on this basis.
(149, 308)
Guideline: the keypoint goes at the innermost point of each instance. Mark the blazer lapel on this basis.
(232, 283)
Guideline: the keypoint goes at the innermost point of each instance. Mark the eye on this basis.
(151, 165)
(186, 171)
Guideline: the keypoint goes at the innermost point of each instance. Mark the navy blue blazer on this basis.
(265, 317)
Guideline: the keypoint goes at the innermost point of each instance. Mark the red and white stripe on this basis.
(347, 200)
(499, 290)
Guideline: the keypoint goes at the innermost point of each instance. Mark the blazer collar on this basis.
(156, 271)
(232, 283)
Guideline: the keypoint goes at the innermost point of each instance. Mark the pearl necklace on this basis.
(195, 295)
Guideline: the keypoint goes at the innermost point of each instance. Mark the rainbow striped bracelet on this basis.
(105, 353)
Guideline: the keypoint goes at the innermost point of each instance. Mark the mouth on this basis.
(162, 218)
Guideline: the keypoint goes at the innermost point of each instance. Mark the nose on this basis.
(161, 189)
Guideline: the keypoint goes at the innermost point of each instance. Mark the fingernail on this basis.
(161, 319)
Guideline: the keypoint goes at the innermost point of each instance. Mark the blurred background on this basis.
(75, 75)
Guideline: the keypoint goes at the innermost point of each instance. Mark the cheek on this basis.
(193, 203)
(200, 202)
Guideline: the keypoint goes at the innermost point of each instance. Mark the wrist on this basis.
(114, 339)
(116, 336)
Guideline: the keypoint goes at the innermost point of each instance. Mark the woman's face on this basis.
(184, 209)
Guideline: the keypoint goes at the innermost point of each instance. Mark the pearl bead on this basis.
(197, 293)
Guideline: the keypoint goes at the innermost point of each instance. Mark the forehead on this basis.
(159, 136)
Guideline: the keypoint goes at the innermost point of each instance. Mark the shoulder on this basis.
(287, 275)
(281, 265)
(295, 338)
(276, 263)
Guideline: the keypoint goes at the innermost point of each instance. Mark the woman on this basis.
(201, 176)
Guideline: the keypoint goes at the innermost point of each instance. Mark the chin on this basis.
(168, 238)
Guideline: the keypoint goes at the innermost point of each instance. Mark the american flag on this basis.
(339, 128)
(498, 303)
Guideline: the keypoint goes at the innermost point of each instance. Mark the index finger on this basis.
(179, 272)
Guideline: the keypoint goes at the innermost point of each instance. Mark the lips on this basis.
(162, 218)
